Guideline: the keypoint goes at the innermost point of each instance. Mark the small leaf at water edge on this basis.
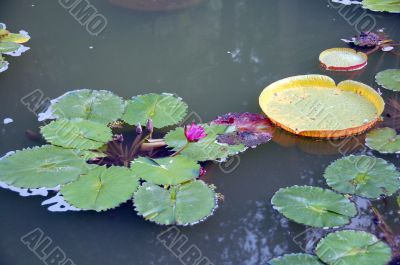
(389, 79)
(166, 171)
(185, 204)
(9, 47)
(101, 188)
(164, 109)
(15, 37)
(295, 259)
(314, 206)
(77, 133)
(41, 167)
(205, 149)
(383, 140)
(365, 176)
(95, 105)
(392, 6)
(3, 65)
(353, 248)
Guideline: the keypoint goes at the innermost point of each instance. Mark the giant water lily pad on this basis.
(365, 176)
(184, 204)
(389, 79)
(343, 59)
(314, 206)
(295, 259)
(353, 248)
(166, 171)
(101, 188)
(392, 6)
(95, 105)
(383, 140)
(164, 109)
(46, 166)
(77, 133)
(312, 105)
(207, 148)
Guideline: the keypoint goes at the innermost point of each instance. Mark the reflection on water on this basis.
(156, 5)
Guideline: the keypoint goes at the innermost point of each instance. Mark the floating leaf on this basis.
(353, 248)
(205, 149)
(184, 204)
(343, 59)
(166, 171)
(164, 109)
(392, 6)
(389, 79)
(362, 175)
(95, 105)
(46, 166)
(383, 140)
(9, 47)
(77, 133)
(314, 206)
(3, 65)
(295, 259)
(101, 188)
(15, 37)
(250, 129)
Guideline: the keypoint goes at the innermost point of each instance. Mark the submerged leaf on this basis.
(389, 79)
(101, 188)
(184, 204)
(164, 109)
(353, 248)
(77, 133)
(392, 6)
(314, 206)
(364, 176)
(166, 171)
(295, 259)
(383, 140)
(46, 166)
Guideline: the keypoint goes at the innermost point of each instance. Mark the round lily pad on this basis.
(314, 206)
(295, 259)
(353, 248)
(95, 105)
(366, 176)
(184, 204)
(41, 167)
(343, 59)
(164, 109)
(392, 6)
(101, 188)
(77, 133)
(389, 79)
(166, 171)
(383, 140)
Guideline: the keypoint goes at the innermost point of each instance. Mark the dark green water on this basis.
(218, 56)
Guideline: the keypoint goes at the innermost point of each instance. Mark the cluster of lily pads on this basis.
(11, 44)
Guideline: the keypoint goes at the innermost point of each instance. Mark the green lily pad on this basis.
(353, 248)
(166, 171)
(383, 140)
(15, 37)
(101, 188)
(77, 133)
(314, 206)
(366, 176)
(184, 204)
(46, 166)
(9, 47)
(95, 105)
(389, 79)
(392, 6)
(207, 148)
(164, 109)
(295, 259)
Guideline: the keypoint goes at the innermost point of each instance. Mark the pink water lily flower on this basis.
(194, 132)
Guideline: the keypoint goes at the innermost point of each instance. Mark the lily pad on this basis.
(383, 140)
(9, 47)
(77, 133)
(208, 148)
(95, 105)
(314, 206)
(166, 171)
(392, 6)
(101, 188)
(3, 65)
(343, 59)
(15, 37)
(184, 204)
(164, 109)
(41, 167)
(353, 248)
(295, 259)
(365, 176)
(389, 79)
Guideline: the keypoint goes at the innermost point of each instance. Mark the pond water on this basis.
(218, 56)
